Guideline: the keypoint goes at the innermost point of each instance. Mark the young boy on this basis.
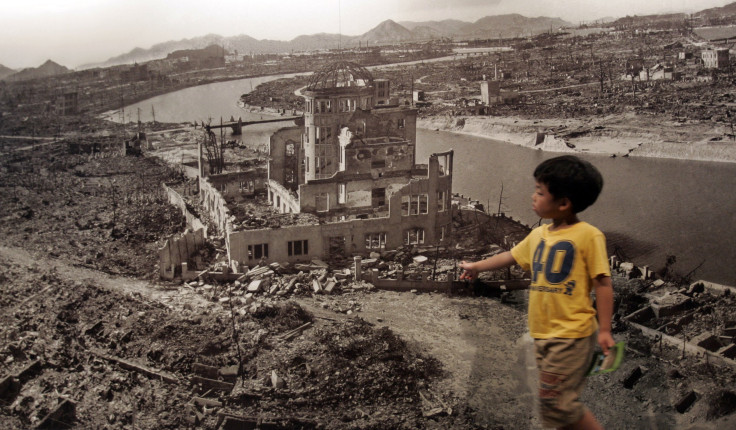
(566, 258)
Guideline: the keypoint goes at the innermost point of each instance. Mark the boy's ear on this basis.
(565, 204)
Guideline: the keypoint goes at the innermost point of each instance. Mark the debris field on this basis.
(92, 339)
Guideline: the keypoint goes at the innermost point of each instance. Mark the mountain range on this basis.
(489, 27)
(386, 32)
(727, 10)
(49, 68)
(5, 71)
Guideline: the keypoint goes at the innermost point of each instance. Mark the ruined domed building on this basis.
(353, 165)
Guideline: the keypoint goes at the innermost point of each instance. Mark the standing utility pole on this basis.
(500, 200)
(412, 89)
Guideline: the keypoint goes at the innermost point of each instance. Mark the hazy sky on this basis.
(77, 32)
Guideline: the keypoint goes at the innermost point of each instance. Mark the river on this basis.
(649, 207)
(207, 103)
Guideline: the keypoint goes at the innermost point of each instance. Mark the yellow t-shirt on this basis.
(562, 265)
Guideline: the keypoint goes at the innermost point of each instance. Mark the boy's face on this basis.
(545, 204)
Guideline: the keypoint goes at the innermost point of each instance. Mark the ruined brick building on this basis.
(352, 164)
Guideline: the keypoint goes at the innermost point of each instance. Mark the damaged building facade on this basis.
(353, 165)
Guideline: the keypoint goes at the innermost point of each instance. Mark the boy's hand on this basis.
(605, 340)
(468, 272)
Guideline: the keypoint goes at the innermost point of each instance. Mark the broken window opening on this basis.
(378, 197)
(336, 246)
(323, 135)
(375, 240)
(342, 193)
(298, 247)
(378, 164)
(423, 204)
(289, 176)
(444, 162)
(441, 201)
(414, 236)
(414, 204)
(324, 106)
(322, 202)
(256, 252)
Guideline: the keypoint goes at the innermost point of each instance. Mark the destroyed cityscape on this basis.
(296, 266)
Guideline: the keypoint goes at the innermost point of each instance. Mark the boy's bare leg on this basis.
(587, 422)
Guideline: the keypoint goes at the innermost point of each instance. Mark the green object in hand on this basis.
(608, 363)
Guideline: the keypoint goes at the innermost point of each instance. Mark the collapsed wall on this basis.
(174, 255)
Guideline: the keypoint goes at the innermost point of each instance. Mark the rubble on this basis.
(129, 365)
(61, 417)
(686, 401)
(121, 356)
(291, 363)
(102, 211)
(633, 377)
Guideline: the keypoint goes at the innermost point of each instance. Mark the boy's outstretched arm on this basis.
(604, 303)
(498, 261)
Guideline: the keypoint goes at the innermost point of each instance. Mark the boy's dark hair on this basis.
(569, 176)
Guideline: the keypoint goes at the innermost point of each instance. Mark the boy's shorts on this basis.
(562, 364)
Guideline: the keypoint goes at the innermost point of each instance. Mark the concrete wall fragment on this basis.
(177, 251)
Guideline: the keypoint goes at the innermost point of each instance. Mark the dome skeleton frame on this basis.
(339, 74)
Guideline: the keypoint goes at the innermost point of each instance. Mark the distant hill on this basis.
(386, 32)
(513, 25)
(210, 51)
(427, 33)
(445, 27)
(649, 21)
(718, 12)
(49, 68)
(314, 41)
(5, 71)
(161, 50)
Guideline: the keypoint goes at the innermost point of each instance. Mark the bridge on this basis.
(238, 125)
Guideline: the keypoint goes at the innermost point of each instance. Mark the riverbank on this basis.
(619, 135)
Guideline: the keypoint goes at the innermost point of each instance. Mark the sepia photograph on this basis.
(368, 214)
